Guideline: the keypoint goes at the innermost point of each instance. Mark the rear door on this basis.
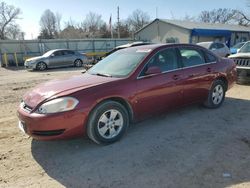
(163, 91)
(197, 74)
(69, 57)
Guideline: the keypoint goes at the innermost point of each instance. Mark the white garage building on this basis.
(163, 30)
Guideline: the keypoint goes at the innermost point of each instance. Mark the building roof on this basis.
(201, 25)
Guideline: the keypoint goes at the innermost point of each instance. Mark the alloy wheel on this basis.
(217, 94)
(110, 124)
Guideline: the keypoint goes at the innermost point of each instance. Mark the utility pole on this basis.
(118, 22)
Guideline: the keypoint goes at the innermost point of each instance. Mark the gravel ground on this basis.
(190, 147)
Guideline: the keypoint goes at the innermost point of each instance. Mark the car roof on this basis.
(54, 50)
(138, 43)
(155, 46)
(209, 42)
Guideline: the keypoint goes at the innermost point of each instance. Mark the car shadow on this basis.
(14, 68)
(61, 69)
(191, 147)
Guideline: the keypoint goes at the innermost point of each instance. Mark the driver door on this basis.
(159, 92)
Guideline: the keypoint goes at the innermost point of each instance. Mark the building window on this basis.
(172, 40)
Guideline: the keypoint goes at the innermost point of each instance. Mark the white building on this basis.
(162, 30)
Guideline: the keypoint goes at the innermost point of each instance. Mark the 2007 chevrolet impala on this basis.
(127, 86)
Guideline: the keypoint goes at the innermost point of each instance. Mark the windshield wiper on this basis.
(102, 74)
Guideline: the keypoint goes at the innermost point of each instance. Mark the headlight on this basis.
(58, 105)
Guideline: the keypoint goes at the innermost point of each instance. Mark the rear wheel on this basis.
(78, 63)
(108, 122)
(41, 66)
(216, 94)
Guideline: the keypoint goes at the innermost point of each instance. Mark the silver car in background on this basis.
(56, 58)
(218, 48)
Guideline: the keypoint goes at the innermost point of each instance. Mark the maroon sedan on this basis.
(127, 86)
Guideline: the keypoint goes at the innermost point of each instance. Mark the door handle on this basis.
(209, 69)
(191, 75)
(176, 77)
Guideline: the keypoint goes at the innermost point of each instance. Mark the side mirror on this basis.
(153, 70)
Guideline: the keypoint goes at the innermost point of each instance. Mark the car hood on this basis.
(61, 87)
(240, 55)
(34, 58)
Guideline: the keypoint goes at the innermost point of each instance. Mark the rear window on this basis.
(68, 52)
(210, 58)
(191, 57)
(219, 45)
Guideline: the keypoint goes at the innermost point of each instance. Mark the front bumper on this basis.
(243, 74)
(54, 126)
(28, 65)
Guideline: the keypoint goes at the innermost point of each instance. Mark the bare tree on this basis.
(14, 32)
(50, 25)
(137, 20)
(189, 18)
(58, 21)
(8, 15)
(123, 28)
(92, 23)
(218, 16)
(71, 32)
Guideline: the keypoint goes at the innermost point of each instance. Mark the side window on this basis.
(219, 45)
(213, 46)
(68, 52)
(210, 58)
(191, 57)
(166, 60)
(58, 53)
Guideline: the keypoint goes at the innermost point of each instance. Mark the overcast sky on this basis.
(77, 9)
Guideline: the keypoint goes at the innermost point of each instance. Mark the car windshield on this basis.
(239, 45)
(245, 48)
(47, 54)
(119, 64)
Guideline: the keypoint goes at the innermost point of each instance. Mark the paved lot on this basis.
(191, 147)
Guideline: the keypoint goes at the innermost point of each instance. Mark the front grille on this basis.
(242, 62)
(48, 133)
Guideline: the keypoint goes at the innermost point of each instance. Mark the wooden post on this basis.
(5, 59)
(16, 59)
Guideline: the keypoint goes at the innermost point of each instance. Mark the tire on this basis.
(107, 123)
(216, 94)
(78, 63)
(41, 66)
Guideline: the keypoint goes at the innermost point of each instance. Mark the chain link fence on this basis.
(14, 52)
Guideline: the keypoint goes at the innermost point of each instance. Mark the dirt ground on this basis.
(191, 147)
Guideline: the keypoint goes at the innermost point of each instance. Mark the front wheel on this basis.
(41, 66)
(216, 94)
(108, 122)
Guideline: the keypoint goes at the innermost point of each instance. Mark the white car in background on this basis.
(218, 48)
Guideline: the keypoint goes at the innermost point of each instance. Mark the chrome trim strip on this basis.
(182, 68)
